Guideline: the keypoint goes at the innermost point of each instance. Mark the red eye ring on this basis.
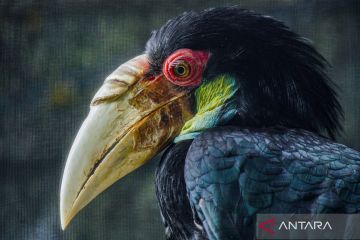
(192, 63)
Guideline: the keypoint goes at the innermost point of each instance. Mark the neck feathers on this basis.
(215, 105)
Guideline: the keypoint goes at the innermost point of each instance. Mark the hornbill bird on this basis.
(247, 115)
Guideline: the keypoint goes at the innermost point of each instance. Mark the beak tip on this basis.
(63, 225)
(63, 220)
(65, 217)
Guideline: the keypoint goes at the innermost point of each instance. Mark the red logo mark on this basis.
(268, 225)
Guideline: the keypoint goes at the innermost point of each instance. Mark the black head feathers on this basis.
(282, 77)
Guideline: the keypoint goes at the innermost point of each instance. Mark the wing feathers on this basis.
(233, 174)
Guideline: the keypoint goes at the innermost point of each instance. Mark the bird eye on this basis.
(185, 67)
(182, 69)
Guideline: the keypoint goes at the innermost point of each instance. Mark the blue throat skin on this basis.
(215, 105)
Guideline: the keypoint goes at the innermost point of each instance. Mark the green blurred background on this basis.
(55, 54)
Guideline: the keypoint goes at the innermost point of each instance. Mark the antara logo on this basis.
(268, 225)
(305, 225)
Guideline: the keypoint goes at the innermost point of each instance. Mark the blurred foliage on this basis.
(55, 54)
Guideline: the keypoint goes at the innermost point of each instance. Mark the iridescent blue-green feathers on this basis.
(233, 174)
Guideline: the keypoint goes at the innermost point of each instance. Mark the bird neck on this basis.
(215, 106)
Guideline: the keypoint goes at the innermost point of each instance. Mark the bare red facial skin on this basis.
(185, 67)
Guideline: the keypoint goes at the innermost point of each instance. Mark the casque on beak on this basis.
(131, 119)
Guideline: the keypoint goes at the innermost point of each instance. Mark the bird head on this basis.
(200, 70)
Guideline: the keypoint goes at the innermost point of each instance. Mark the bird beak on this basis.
(131, 119)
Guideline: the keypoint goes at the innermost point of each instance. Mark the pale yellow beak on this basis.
(131, 119)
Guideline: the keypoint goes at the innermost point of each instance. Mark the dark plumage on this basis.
(233, 174)
(173, 201)
(282, 77)
(273, 159)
